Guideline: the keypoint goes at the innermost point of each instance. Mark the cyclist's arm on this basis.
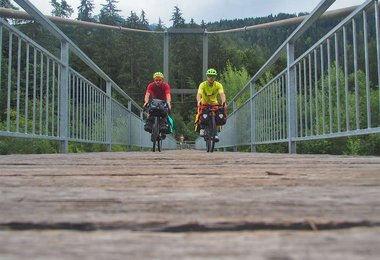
(223, 97)
(199, 98)
(146, 99)
(169, 100)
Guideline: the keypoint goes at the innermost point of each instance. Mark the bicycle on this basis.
(156, 108)
(207, 115)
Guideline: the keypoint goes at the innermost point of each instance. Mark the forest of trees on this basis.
(130, 59)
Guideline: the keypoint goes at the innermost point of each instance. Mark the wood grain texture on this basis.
(189, 204)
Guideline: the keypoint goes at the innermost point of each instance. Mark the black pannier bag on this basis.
(220, 116)
(156, 108)
(204, 117)
(148, 125)
(164, 126)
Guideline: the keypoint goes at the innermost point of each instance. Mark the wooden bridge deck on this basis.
(189, 204)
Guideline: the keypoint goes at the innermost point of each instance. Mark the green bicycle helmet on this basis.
(158, 75)
(211, 72)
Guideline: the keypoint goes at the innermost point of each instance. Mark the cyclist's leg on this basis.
(217, 129)
(201, 125)
(201, 130)
(164, 126)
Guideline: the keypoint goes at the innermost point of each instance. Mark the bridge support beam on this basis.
(129, 143)
(63, 115)
(205, 54)
(109, 115)
(234, 105)
(253, 118)
(166, 56)
(291, 99)
(142, 130)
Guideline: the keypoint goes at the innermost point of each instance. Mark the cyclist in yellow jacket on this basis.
(208, 92)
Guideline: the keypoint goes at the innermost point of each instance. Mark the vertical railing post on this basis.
(166, 56)
(253, 117)
(63, 122)
(234, 107)
(109, 125)
(205, 54)
(142, 131)
(129, 143)
(291, 98)
(1, 51)
(367, 68)
(377, 46)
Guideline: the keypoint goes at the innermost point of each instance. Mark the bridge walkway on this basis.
(189, 204)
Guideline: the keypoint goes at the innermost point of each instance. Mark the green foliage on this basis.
(86, 147)
(119, 148)
(12, 145)
(182, 127)
(273, 148)
(324, 146)
(353, 146)
(370, 145)
(233, 79)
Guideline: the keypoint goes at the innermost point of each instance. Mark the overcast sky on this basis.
(207, 10)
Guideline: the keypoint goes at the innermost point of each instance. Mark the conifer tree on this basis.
(178, 20)
(7, 4)
(85, 10)
(143, 19)
(109, 14)
(62, 9)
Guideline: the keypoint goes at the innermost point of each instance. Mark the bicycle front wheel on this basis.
(210, 135)
(159, 143)
(213, 128)
(155, 134)
(207, 139)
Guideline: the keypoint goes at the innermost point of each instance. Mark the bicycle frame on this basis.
(210, 126)
(156, 136)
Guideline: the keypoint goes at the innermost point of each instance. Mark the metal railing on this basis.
(45, 98)
(328, 91)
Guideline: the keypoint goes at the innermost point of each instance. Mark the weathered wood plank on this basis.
(234, 202)
(357, 243)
